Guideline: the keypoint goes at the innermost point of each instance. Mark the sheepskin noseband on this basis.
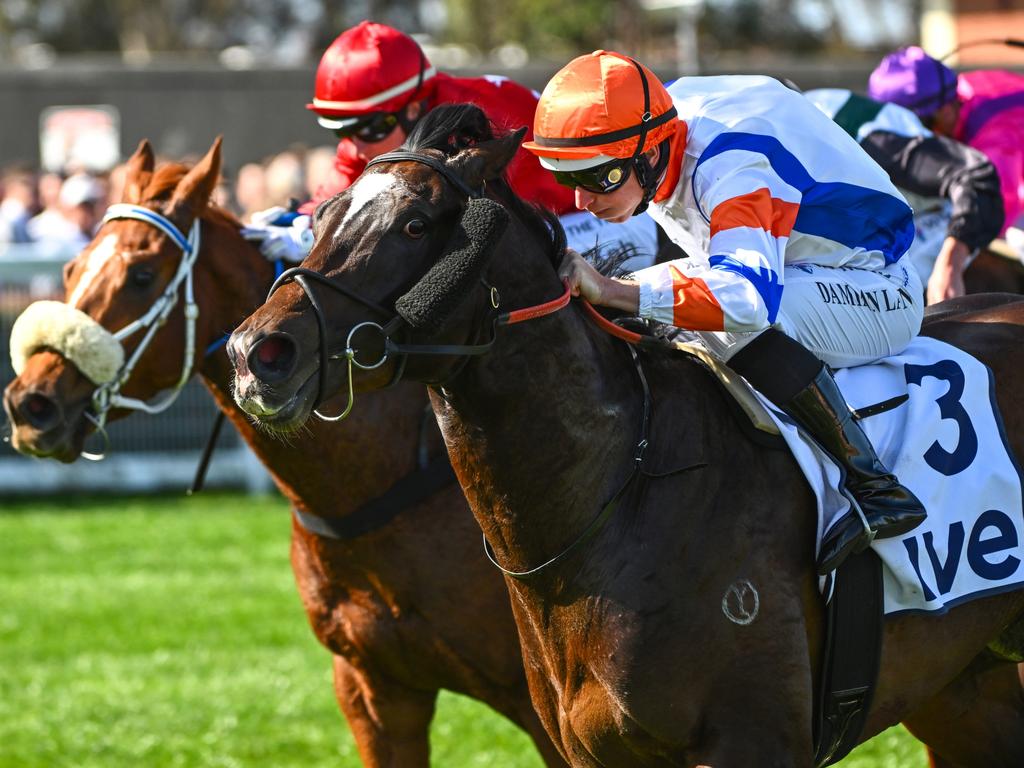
(433, 300)
(70, 332)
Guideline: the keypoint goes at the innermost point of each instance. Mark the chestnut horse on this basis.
(630, 656)
(408, 609)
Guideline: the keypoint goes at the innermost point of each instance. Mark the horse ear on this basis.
(193, 191)
(488, 159)
(138, 172)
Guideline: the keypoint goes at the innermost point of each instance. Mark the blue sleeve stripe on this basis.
(763, 279)
(854, 216)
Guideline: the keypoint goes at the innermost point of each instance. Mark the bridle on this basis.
(395, 323)
(638, 470)
(108, 395)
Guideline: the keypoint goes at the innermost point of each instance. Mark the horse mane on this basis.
(452, 128)
(165, 180)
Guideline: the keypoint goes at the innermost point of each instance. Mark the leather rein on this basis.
(392, 322)
(392, 348)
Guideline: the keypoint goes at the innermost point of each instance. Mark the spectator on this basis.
(285, 179)
(80, 202)
(17, 205)
(251, 190)
(319, 169)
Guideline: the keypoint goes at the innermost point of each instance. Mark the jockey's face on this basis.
(617, 206)
(944, 121)
(366, 151)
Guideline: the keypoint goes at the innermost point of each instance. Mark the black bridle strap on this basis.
(290, 274)
(414, 157)
(412, 489)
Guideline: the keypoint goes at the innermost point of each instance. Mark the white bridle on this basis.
(100, 354)
(108, 395)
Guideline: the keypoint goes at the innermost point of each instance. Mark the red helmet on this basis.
(369, 68)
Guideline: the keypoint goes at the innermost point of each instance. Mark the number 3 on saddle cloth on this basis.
(941, 433)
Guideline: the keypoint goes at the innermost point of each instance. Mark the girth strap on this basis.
(853, 650)
(412, 489)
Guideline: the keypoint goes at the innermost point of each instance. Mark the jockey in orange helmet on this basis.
(795, 238)
(372, 85)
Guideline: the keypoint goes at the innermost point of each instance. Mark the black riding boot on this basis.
(776, 365)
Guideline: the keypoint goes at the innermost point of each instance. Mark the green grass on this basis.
(167, 632)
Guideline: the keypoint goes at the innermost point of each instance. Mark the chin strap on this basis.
(649, 175)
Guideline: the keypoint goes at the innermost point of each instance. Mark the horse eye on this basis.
(415, 228)
(142, 277)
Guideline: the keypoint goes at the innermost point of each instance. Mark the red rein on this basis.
(550, 307)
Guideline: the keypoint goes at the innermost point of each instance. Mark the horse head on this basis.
(410, 248)
(121, 336)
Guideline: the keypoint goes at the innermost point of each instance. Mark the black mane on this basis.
(451, 128)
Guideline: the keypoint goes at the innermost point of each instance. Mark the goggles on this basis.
(369, 129)
(601, 179)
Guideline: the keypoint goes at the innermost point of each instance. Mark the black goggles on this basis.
(600, 179)
(370, 129)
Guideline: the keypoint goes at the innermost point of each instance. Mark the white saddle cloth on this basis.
(946, 444)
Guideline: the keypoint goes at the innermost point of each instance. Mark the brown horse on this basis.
(991, 272)
(408, 609)
(631, 658)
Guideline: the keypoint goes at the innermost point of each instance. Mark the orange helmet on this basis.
(600, 107)
(369, 68)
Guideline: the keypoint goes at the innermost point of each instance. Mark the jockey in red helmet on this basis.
(374, 82)
(372, 85)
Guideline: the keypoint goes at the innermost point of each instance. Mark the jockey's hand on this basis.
(281, 234)
(585, 281)
(947, 278)
(581, 276)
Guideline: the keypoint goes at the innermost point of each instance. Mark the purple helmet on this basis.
(913, 79)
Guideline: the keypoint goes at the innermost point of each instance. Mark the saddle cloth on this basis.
(946, 443)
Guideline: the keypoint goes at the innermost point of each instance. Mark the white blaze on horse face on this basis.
(98, 257)
(363, 191)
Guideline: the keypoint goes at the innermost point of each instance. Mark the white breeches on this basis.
(584, 231)
(845, 316)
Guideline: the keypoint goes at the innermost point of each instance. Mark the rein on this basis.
(108, 395)
(390, 347)
(396, 323)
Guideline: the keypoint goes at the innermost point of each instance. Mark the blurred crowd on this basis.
(50, 215)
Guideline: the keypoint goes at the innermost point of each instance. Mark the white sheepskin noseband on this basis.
(70, 332)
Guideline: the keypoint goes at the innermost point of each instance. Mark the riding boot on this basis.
(889, 508)
(795, 380)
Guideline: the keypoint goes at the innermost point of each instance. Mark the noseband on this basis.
(396, 322)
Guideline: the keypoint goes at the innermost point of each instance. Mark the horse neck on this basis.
(326, 469)
(542, 430)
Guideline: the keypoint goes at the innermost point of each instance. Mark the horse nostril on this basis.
(40, 411)
(272, 357)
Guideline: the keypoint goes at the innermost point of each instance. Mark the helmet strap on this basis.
(644, 172)
(649, 175)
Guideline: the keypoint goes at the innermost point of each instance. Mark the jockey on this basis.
(983, 109)
(953, 189)
(374, 82)
(795, 239)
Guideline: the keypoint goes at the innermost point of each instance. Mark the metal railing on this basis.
(147, 453)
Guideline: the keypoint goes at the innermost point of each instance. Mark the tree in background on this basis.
(297, 31)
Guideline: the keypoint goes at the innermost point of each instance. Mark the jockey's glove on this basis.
(280, 233)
